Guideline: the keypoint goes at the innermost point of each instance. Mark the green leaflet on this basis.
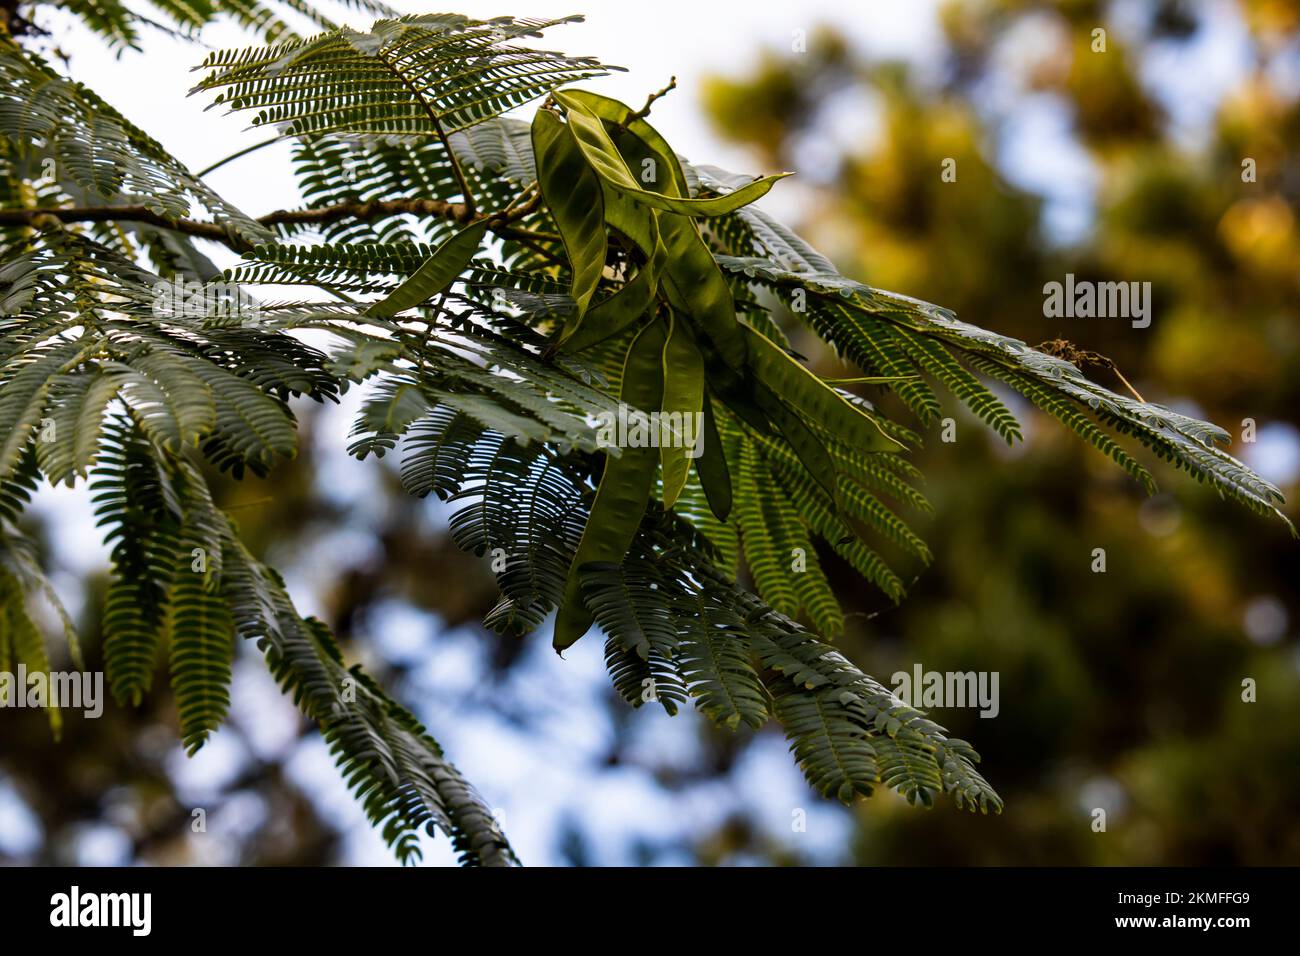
(711, 466)
(767, 548)
(573, 193)
(24, 393)
(717, 663)
(778, 547)
(811, 397)
(201, 647)
(625, 487)
(20, 560)
(589, 131)
(684, 398)
(21, 642)
(77, 409)
(437, 273)
(187, 398)
(396, 78)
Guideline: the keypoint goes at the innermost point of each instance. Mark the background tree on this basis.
(831, 565)
(1129, 682)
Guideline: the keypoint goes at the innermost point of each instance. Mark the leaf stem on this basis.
(236, 155)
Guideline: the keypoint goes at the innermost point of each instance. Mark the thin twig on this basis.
(644, 111)
(1115, 368)
(249, 504)
(513, 208)
(236, 155)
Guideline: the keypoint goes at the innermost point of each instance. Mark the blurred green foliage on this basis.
(1119, 690)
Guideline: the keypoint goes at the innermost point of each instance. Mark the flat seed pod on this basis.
(682, 404)
(572, 191)
(711, 466)
(589, 131)
(436, 274)
(625, 486)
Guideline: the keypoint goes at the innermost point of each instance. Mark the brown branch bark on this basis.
(364, 211)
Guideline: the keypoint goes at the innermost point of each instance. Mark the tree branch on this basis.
(499, 223)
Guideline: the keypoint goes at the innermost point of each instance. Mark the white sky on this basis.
(653, 41)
